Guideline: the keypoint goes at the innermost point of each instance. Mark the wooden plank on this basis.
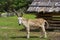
(55, 25)
(54, 22)
(56, 16)
(40, 0)
(57, 28)
(56, 19)
(48, 14)
(47, 18)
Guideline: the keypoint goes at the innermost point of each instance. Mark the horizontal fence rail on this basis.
(52, 18)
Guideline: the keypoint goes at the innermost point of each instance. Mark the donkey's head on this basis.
(19, 15)
(20, 18)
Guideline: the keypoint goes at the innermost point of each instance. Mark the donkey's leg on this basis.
(41, 33)
(44, 32)
(28, 32)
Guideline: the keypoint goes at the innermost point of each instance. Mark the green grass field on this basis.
(10, 30)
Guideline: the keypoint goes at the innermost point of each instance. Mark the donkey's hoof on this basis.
(41, 36)
(45, 37)
(28, 37)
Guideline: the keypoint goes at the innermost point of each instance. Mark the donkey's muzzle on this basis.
(19, 24)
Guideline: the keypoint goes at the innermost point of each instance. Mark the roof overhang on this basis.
(44, 6)
(43, 9)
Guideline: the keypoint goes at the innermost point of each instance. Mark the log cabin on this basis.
(47, 9)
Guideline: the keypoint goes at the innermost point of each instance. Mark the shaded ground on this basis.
(54, 35)
(16, 34)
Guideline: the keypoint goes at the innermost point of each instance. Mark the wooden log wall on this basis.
(52, 18)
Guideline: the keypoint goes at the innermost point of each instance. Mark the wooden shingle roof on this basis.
(46, 0)
(45, 6)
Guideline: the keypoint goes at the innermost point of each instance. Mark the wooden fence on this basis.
(52, 18)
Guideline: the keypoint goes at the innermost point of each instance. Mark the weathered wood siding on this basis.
(52, 18)
(47, 9)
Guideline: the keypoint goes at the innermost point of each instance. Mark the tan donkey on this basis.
(33, 23)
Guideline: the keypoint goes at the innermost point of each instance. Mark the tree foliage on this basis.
(6, 5)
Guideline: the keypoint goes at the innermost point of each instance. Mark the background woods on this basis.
(6, 5)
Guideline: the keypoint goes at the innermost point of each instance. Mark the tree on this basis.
(13, 4)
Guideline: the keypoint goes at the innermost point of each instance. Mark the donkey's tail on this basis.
(47, 24)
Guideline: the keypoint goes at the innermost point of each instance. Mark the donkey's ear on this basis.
(16, 13)
(21, 14)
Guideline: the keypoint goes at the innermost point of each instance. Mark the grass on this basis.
(10, 30)
(13, 21)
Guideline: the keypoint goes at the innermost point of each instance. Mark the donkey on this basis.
(33, 23)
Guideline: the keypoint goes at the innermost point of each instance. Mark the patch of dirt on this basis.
(54, 35)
